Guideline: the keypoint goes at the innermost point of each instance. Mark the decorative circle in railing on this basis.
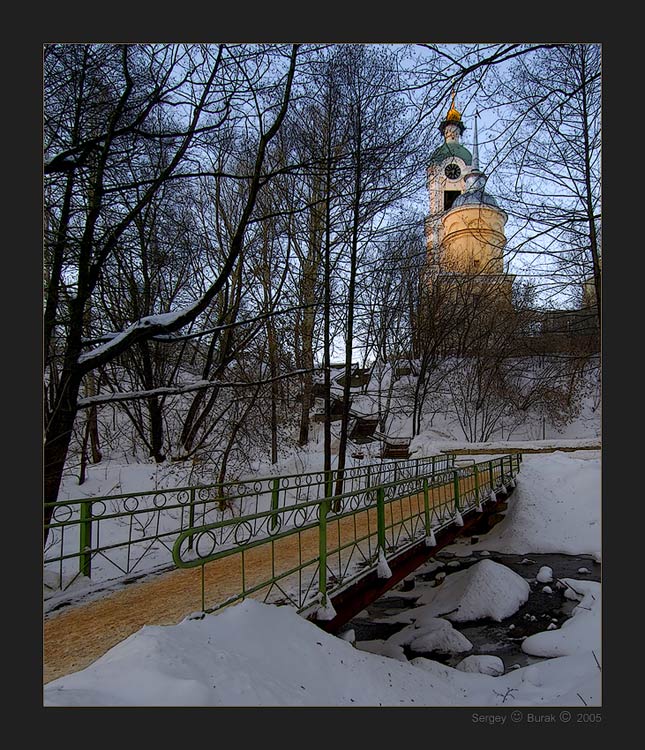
(183, 497)
(205, 494)
(243, 532)
(160, 500)
(62, 513)
(99, 508)
(300, 517)
(131, 504)
(273, 524)
(205, 538)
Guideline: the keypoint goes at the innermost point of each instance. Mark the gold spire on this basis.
(453, 114)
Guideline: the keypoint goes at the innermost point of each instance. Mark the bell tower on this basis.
(446, 172)
(465, 230)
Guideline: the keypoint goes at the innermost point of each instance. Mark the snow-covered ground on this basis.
(254, 654)
(429, 445)
(556, 507)
(260, 655)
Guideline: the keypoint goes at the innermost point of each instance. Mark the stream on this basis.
(502, 639)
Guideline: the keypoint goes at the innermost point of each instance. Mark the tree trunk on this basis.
(58, 435)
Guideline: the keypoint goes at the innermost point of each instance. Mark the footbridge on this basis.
(283, 540)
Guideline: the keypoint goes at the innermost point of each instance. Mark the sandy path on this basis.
(77, 636)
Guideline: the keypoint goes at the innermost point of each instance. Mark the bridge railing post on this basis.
(490, 473)
(380, 517)
(426, 506)
(191, 516)
(455, 479)
(322, 551)
(85, 539)
(476, 470)
(275, 496)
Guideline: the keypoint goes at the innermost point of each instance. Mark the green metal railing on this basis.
(117, 535)
(300, 553)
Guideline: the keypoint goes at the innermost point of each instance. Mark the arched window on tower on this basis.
(449, 197)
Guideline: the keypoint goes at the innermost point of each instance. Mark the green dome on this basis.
(447, 150)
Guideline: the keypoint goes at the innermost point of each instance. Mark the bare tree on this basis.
(121, 99)
(549, 142)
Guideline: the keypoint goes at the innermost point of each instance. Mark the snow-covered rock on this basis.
(545, 574)
(547, 590)
(430, 634)
(486, 589)
(491, 665)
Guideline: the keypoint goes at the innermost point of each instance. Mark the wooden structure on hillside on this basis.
(336, 410)
(395, 447)
(359, 378)
(363, 429)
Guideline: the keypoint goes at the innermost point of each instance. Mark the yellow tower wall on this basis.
(473, 240)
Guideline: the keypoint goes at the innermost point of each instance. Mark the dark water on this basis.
(487, 636)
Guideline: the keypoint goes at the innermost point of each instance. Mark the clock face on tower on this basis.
(452, 172)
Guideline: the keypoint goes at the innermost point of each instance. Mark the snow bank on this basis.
(566, 681)
(255, 654)
(580, 633)
(555, 508)
(251, 654)
(486, 589)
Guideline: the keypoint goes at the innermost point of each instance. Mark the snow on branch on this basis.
(171, 338)
(145, 327)
(108, 398)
